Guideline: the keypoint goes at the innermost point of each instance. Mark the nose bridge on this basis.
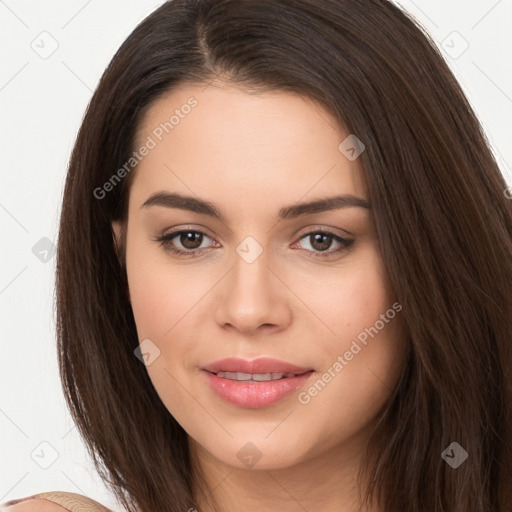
(250, 272)
(249, 284)
(250, 295)
(251, 277)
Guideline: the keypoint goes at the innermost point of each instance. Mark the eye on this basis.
(190, 239)
(190, 243)
(321, 241)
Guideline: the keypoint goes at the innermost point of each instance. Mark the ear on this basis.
(117, 234)
(116, 230)
(116, 237)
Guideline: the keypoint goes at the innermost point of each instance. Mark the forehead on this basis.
(221, 140)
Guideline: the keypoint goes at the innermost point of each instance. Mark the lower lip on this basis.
(252, 394)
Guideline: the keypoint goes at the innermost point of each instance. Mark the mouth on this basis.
(257, 377)
(262, 369)
(251, 390)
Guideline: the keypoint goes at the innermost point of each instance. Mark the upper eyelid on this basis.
(312, 229)
(328, 231)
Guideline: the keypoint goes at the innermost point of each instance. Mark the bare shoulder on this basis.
(33, 505)
(54, 502)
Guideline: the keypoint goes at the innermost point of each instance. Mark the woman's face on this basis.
(259, 275)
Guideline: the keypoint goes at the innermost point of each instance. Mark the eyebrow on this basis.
(174, 200)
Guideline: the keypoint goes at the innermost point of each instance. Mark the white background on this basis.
(42, 102)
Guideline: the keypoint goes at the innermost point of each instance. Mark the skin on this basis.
(34, 505)
(250, 155)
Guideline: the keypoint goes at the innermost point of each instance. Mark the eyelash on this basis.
(165, 241)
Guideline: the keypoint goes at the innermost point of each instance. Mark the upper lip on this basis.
(261, 365)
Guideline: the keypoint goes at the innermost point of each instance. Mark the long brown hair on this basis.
(443, 221)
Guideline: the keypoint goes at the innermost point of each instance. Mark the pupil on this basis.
(322, 246)
(189, 239)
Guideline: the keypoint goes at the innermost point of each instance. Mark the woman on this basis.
(284, 268)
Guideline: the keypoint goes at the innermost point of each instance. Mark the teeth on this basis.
(259, 377)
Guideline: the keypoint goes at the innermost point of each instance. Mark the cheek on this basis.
(151, 303)
(161, 293)
(350, 299)
(364, 352)
(162, 297)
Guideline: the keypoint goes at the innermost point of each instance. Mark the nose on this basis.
(252, 298)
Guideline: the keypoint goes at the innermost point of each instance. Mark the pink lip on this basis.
(253, 394)
(261, 365)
